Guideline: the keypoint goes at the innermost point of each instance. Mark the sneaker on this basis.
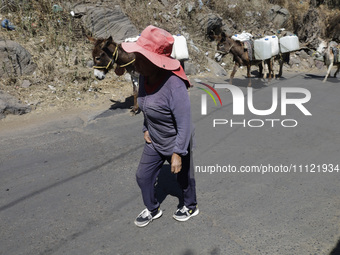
(145, 217)
(184, 213)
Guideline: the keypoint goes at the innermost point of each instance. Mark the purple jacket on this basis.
(167, 116)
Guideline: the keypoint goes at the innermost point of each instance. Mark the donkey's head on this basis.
(224, 43)
(322, 48)
(104, 55)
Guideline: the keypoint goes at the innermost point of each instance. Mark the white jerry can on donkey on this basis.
(289, 43)
(180, 48)
(262, 49)
(274, 41)
(242, 37)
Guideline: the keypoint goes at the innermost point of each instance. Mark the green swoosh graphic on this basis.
(208, 92)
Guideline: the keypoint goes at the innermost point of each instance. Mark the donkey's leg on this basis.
(266, 72)
(135, 84)
(248, 75)
(284, 57)
(261, 69)
(328, 71)
(248, 70)
(135, 95)
(270, 68)
(233, 73)
(337, 70)
(280, 67)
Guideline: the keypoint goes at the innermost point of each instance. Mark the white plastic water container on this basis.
(262, 49)
(274, 41)
(244, 36)
(289, 43)
(131, 39)
(180, 48)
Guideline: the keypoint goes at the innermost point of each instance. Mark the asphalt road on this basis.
(68, 186)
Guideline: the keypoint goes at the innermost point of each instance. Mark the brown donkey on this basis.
(227, 45)
(105, 54)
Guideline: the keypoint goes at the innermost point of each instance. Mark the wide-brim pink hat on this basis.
(156, 45)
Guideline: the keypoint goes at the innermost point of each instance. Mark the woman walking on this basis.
(168, 130)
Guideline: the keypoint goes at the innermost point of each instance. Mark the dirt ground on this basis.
(52, 106)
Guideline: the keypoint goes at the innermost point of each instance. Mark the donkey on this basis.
(227, 45)
(105, 54)
(327, 50)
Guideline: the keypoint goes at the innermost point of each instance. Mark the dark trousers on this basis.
(149, 167)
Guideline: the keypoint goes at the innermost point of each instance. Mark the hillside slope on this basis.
(64, 77)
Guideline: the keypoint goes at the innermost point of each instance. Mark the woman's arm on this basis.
(181, 110)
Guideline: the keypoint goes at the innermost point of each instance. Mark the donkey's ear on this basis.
(91, 39)
(108, 41)
(223, 37)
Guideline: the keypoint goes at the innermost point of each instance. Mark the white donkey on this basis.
(330, 52)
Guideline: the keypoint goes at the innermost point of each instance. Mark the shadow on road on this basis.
(127, 104)
(255, 82)
(336, 249)
(118, 107)
(321, 77)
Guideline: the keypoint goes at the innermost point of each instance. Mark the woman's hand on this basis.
(147, 137)
(176, 163)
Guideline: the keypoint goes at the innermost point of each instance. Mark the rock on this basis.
(311, 62)
(104, 22)
(10, 105)
(303, 54)
(215, 68)
(89, 63)
(15, 60)
(26, 84)
(190, 68)
(211, 24)
(294, 61)
(278, 16)
(80, 10)
(229, 29)
(319, 64)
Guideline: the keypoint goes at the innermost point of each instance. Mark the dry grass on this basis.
(61, 52)
(244, 13)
